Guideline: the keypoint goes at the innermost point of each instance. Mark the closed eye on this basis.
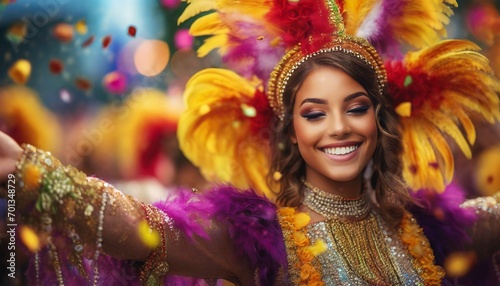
(311, 116)
(359, 110)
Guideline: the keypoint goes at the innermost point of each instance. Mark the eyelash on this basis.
(311, 116)
(359, 110)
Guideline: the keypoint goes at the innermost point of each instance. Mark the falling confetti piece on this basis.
(115, 82)
(82, 83)
(149, 237)
(204, 109)
(63, 32)
(20, 71)
(132, 31)
(81, 27)
(30, 238)
(277, 176)
(88, 42)
(56, 66)
(248, 111)
(65, 96)
(459, 263)
(17, 32)
(106, 41)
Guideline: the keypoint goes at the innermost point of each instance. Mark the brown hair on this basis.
(386, 180)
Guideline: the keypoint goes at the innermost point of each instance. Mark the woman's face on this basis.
(335, 127)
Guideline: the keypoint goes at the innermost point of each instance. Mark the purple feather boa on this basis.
(251, 219)
(254, 229)
(443, 221)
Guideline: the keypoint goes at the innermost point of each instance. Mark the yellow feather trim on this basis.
(218, 140)
(466, 85)
(196, 7)
(214, 42)
(208, 25)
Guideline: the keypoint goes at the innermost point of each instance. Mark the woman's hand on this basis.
(10, 152)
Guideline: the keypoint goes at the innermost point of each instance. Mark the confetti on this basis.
(277, 176)
(56, 66)
(204, 109)
(30, 238)
(81, 27)
(82, 83)
(459, 263)
(63, 32)
(132, 31)
(115, 82)
(149, 237)
(88, 42)
(20, 71)
(106, 41)
(17, 32)
(65, 96)
(248, 111)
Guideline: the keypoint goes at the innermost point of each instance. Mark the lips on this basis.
(341, 150)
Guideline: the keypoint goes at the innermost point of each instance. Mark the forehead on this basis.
(327, 82)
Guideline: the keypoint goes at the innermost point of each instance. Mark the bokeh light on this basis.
(151, 57)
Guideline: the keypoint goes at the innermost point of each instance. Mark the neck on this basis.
(346, 189)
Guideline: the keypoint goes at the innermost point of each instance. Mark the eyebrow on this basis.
(322, 101)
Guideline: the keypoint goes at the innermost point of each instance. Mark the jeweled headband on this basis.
(294, 58)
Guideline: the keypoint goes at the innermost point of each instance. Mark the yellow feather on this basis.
(455, 110)
(208, 25)
(443, 148)
(214, 132)
(417, 155)
(214, 42)
(196, 7)
(356, 12)
(470, 104)
(446, 125)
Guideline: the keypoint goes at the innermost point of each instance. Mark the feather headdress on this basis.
(225, 129)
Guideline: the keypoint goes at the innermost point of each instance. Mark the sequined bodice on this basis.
(362, 252)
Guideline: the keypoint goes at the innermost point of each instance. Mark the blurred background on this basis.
(100, 83)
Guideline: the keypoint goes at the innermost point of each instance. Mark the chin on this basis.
(343, 176)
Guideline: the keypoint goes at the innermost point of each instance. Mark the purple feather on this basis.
(383, 40)
(248, 55)
(254, 229)
(188, 210)
(443, 221)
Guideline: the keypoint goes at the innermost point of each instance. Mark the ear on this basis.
(293, 138)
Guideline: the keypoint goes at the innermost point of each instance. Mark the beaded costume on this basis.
(242, 235)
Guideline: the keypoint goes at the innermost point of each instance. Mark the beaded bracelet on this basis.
(156, 264)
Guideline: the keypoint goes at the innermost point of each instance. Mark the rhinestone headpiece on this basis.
(356, 46)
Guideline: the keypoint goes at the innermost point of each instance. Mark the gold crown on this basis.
(281, 73)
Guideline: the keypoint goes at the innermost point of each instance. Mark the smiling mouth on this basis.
(341, 150)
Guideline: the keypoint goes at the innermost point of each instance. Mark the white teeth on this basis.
(340, 150)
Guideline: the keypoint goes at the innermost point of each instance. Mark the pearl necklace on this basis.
(334, 206)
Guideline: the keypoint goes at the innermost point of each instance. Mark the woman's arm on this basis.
(60, 204)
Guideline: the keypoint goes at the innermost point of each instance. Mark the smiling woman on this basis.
(317, 162)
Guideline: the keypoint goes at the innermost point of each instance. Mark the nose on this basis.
(339, 125)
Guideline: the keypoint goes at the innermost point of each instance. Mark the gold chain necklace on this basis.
(334, 206)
